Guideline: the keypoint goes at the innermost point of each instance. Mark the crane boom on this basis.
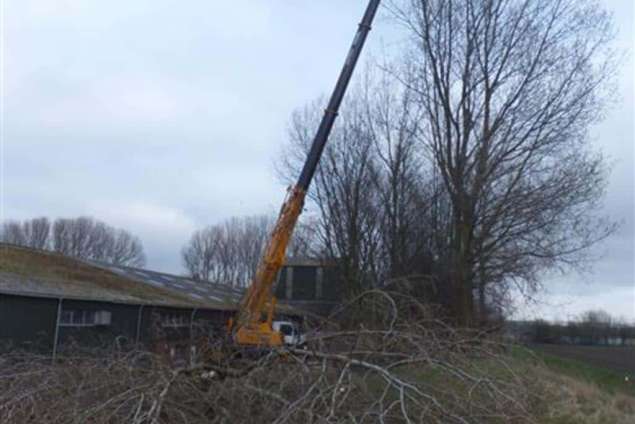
(251, 327)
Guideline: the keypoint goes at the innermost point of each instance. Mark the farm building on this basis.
(48, 301)
(309, 285)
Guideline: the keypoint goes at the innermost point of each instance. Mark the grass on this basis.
(566, 391)
(576, 392)
(612, 382)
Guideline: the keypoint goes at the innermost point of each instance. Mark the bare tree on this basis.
(86, 238)
(509, 90)
(228, 252)
(13, 233)
(596, 327)
(198, 254)
(71, 236)
(381, 209)
(38, 232)
(410, 203)
(304, 241)
(125, 249)
(342, 193)
(83, 238)
(251, 234)
(34, 233)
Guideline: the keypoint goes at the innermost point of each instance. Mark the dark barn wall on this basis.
(28, 322)
(154, 328)
(331, 284)
(197, 327)
(210, 322)
(316, 289)
(123, 324)
(304, 283)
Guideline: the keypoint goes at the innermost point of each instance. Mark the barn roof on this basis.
(200, 291)
(42, 273)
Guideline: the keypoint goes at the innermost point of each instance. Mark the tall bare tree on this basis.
(304, 242)
(470, 159)
(86, 238)
(12, 233)
(401, 179)
(509, 89)
(380, 208)
(227, 253)
(34, 233)
(341, 192)
(83, 238)
(199, 255)
(38, 231)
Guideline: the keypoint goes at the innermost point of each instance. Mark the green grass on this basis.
(563, 391)
(608, 380)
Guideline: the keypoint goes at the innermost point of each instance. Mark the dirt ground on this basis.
(620, 359)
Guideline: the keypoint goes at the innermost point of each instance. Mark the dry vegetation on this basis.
(572, 401)
(74, 277)
(392, 368)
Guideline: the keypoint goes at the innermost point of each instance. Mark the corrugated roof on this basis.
(217, 294)
(43, 273)
(35, 272)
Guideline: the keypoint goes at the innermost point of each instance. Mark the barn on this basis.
(310, 285)
(49, 302)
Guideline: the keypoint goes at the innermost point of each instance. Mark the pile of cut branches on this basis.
(395, 365)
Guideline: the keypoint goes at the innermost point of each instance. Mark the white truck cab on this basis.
(291, 333)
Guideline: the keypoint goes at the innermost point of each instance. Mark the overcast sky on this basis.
(162, 117)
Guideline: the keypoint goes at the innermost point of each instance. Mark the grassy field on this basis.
(577, 392)
(606, 367)
(616, 358)
(563, 391)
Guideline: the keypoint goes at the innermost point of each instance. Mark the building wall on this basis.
(122, 325)
(312, 288)
(27, 322)
(30, 323)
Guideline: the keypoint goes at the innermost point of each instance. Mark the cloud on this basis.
(116, 101)
(574, 300)
(162, 117)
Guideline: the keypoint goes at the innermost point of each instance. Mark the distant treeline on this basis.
(591, 328)
(82, 237)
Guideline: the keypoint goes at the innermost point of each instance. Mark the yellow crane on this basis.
(252, 325)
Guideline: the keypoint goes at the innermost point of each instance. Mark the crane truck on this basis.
(253, 324)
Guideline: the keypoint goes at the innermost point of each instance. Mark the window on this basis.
(174, 320)
(286, 330)
(84, 318)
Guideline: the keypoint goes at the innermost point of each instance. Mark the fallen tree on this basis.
(396, 365)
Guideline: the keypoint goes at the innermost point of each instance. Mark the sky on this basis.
(163, 117)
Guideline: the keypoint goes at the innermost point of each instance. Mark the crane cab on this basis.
(290, 331)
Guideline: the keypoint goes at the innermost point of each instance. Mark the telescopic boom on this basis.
(251, 326)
